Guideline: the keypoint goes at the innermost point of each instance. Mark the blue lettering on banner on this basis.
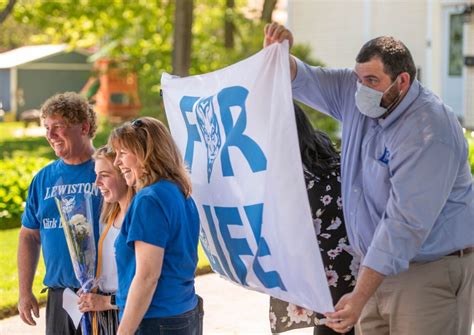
(220, 253)
(208, 113)
(186, 105)
(231, 97)
(227, 216)
(269, 279)
(207, 120)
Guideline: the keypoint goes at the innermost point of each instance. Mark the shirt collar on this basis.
(411, 95)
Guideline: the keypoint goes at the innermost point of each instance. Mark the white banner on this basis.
(236, 128)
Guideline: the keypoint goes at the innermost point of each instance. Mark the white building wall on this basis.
(336, 29)
(405, 20)
(469, 75)
(434, 56)
(333, 28)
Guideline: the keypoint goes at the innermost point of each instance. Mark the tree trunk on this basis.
(267, 10)
(7, 11)
(182, 39)
(229, 25)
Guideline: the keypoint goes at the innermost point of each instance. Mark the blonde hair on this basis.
(151, 142)
(108, 209)
(73, 107)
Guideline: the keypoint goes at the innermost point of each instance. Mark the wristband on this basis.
(112, 302)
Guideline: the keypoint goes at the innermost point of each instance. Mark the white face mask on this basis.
(368, 100)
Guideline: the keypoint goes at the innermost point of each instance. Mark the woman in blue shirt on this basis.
(156, 250)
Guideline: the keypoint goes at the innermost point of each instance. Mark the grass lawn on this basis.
(9, 273)
(8, 130)
(14, 141)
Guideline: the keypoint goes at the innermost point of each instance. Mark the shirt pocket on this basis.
(376, 184)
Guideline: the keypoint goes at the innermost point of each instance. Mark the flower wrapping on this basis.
(77, 222)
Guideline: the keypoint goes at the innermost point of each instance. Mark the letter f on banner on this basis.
(186, 106)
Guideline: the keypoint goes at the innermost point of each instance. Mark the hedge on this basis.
(16, 174)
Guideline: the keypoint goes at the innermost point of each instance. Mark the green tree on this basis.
(183, 24)
(6, 9)
(13, 34)
(267, 10)
(140, 33)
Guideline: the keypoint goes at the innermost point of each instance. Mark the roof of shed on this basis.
(29, 54)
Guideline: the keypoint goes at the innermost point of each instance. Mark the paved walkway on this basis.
(229, 309)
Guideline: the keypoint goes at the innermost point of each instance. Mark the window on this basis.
(455, 44)
(119, 98)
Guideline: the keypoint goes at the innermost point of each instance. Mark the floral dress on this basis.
(324, 193)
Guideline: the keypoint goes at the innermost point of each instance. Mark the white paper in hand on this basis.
(71, 306)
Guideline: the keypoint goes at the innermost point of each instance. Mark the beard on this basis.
(391, 97)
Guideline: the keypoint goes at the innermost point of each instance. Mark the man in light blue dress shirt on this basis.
(407, 192)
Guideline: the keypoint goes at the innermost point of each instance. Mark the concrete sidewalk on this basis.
(229, 309)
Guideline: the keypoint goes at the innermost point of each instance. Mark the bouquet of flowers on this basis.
(76, 219)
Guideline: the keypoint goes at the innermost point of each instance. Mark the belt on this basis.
(462, 252)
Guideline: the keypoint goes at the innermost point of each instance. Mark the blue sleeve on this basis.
(149, 222)
(29, 219)
(330, 91)
(422, 176)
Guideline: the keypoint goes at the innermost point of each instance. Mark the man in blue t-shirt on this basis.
(70, 126)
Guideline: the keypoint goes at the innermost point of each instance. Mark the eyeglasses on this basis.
(137, 123)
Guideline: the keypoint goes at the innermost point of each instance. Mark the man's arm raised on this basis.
(275, 32)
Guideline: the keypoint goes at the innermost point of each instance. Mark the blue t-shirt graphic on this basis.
(58, 179)
(160, 215)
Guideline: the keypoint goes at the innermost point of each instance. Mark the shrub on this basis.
(16, 174)
(470, 141)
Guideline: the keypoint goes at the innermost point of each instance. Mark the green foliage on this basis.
(209, 52)
(137, 32)
(141, 34)
(470, 141)
(10, 40)
(8, 130)
(319, 120)
(303, 52)
(24, 146)
(9, 274)
(323, 122)
(15, 176)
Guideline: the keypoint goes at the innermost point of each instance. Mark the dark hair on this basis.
(317, 150)
(395, 56)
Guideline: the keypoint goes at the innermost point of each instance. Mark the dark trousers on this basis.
(58, 321)
(323, 330)
(189, 323)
